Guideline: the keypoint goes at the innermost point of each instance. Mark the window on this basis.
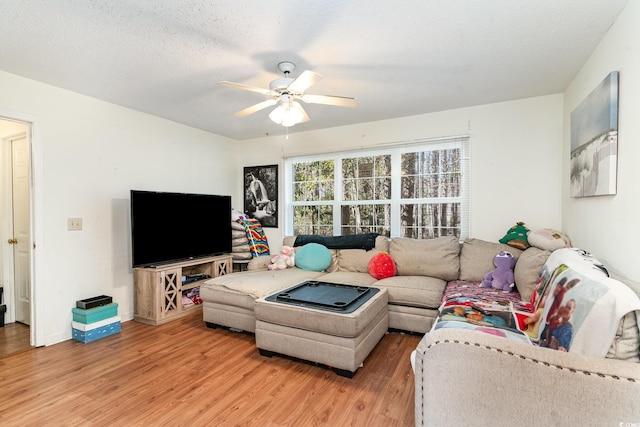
(415, 190)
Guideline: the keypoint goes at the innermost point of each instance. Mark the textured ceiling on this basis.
(164, 57)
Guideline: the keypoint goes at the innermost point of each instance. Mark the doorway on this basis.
(16, 242)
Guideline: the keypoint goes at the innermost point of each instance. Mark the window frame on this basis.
(396, 151)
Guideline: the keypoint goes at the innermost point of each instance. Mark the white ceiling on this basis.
(397, 58)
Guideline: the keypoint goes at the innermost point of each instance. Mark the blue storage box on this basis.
(95, 325)
(87, 333)
(93, 315)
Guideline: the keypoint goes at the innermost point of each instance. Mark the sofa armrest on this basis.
(259, 263)
(470, 378)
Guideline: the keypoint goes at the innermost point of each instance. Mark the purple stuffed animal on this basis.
(502, 277)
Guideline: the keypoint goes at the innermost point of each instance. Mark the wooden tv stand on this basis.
(159, 289)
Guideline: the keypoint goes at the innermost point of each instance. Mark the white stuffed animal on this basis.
(285, 259)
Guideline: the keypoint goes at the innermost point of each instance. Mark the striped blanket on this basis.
(257, 239)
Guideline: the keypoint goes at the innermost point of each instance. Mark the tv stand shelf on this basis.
(192, 285)
(159, 289)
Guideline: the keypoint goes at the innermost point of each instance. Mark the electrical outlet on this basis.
(74, 224)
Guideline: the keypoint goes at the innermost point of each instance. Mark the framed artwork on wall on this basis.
(594, 141)
(261, 194)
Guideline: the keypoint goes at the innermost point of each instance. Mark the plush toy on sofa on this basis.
(381, 266)
(502, 277)
(285, 259)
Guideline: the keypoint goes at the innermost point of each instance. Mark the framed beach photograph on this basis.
(261, 194)
(594, 141)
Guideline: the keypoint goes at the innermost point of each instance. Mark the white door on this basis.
(21, 229)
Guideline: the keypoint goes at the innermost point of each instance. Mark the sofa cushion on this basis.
(259, 263)
(357, 260)
(430, 257)
(626, 343)
(313, 257)
(229, 288)
(348, 278)
(528, 269)
(476, 258)
(416, 291)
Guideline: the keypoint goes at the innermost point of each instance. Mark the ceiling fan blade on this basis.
(246, 87)
(339, 101)
(305, 116)
(304, 82)
(257, 107)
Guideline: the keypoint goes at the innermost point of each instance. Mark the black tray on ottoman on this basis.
(325, 296)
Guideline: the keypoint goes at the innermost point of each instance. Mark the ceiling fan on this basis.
(286, 92)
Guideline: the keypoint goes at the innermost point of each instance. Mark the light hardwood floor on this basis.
(14, 337)
(184, 374)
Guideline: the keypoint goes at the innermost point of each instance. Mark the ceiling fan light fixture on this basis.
(288, 113)
(284, 92)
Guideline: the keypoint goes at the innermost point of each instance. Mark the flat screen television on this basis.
(168, 227)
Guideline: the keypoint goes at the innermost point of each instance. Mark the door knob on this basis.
(13, 241)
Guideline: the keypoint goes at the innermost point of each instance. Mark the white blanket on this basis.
(580, 305)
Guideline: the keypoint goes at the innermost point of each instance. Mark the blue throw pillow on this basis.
(313, 257)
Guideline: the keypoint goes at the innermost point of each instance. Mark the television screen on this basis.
(168, 227)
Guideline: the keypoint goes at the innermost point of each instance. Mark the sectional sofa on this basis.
(461, 376)
(415, 293)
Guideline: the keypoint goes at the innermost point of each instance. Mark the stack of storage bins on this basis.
(98, 321)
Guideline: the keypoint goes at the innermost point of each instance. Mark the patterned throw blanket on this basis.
(467, 305)
(577, 306)
(257, 239)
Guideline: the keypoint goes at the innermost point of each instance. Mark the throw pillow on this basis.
(313, 257)
(382, 266)
(357, 260)
(528, 270)
(548, 239)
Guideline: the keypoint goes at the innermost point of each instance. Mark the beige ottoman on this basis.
(338, 340)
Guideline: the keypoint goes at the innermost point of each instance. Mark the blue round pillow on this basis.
(313, 257)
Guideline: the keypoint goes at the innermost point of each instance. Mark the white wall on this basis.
(515, 158)
(607, 225)
(92, 154)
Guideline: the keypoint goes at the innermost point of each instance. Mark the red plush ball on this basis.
(382, 266)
